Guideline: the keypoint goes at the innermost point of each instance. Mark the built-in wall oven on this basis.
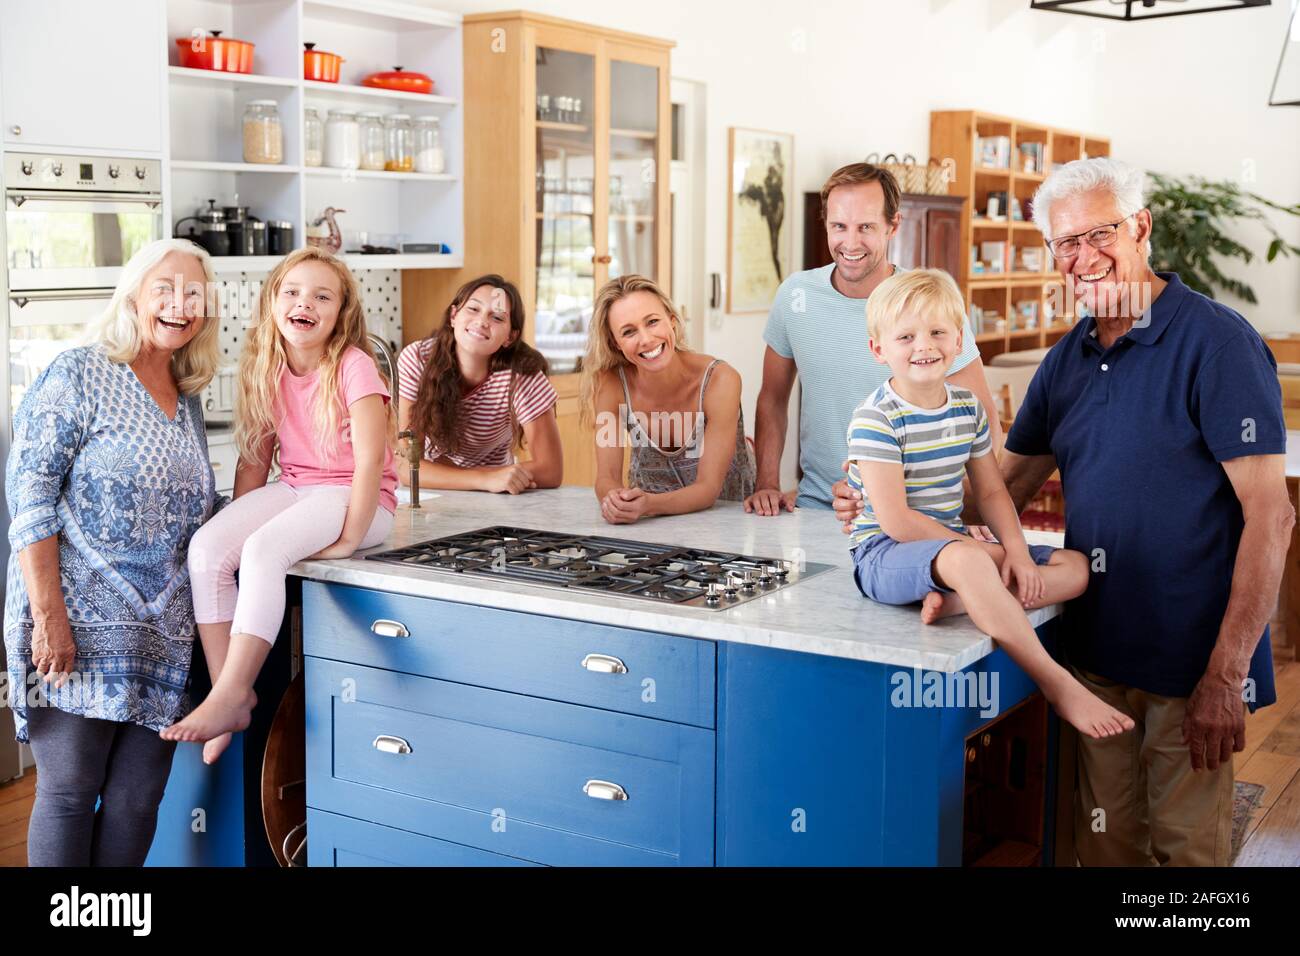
(70, 223)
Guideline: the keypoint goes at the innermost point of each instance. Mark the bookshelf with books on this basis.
(1012, 290)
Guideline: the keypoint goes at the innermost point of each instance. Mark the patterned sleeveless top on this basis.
(655, 470)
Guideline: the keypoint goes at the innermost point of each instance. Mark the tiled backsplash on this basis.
(381, 295)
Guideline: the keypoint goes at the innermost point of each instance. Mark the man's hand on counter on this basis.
(770, 501)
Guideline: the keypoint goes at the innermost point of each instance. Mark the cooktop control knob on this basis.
(781, 571)
(113, 171)
(57, 169)
(139, 173)
(765, 575)
(746, 581)
(27, 167)
(714, 597)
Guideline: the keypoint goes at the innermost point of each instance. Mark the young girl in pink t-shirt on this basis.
(309, 389)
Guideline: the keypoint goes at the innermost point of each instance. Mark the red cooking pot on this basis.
(212, 51)
(399, 79)
(319, 65)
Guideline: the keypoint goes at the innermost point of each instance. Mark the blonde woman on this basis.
(107, 480)
(309, 388)
(678, 410)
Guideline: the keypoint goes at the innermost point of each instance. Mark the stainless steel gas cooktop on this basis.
(669, 574)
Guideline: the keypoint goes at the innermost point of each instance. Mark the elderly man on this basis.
(1162, 410)
(816, 330)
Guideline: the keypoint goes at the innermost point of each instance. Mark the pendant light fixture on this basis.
(1142, 9)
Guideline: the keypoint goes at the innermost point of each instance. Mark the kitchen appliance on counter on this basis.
(666, 573)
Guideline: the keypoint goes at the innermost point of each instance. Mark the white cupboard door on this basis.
(78, 73)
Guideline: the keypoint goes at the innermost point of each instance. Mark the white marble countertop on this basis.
(823, 614)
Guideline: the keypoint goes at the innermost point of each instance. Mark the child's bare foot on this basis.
(215, 747)
(937, 604)
(1089, 714)
(218, 714)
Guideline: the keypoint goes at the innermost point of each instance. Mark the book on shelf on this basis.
(1031, 157)
(1031, 258)
(995, 254)
(993, 151)
(996, 205)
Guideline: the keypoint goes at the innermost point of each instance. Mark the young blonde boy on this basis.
(910, 443)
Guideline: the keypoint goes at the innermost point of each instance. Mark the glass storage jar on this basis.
(400, 154)
(429, 157)
(372, 140)
(342, 140)
(263, 136)
(313, 138)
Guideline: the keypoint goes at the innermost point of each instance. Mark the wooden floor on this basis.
(1271, 759)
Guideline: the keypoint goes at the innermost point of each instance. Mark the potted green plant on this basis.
(1191, 218)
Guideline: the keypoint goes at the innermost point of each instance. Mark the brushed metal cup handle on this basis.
(604, 790)
(16, 130)
(387, 743)
(604, 664)
(385, 628)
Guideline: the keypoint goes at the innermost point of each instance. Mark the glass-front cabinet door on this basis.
(565, 203)
(633, 168)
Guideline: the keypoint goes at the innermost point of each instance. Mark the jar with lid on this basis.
(429, 157)
(400, 152)
(263, 136)
(342, 140)
(313, 138)
(372, 140)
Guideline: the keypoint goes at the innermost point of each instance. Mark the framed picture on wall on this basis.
(760, 216)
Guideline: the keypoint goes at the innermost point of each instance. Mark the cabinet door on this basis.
(907, 250)
(566, 198)
(83, 73)
(637, 165)
(943, 240)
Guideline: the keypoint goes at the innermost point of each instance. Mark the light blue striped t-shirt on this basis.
(825, 333)
(932, 445)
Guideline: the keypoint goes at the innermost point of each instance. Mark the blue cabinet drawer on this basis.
(520, 776)
(636, 672)
(334, 840)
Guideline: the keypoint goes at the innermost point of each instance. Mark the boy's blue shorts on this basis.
(899, 572)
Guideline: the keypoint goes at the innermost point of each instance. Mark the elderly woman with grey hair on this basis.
(107, 480)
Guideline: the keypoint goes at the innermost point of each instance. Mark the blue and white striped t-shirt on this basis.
(932, 445)
(825, 332)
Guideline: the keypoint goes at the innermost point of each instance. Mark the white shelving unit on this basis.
(205, 110)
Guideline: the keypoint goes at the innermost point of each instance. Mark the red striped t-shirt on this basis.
(485, 432)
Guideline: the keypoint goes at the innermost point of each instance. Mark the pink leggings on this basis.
(264, 533)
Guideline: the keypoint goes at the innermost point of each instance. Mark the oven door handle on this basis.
(100, 202)
(22, 297)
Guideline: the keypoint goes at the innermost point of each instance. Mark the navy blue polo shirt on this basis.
(1139, 432)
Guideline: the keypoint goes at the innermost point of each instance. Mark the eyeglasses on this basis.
(1066, 247)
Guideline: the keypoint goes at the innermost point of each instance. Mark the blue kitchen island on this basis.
(460, 720)
(456, 720)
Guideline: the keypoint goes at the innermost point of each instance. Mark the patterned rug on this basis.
(1244, 801)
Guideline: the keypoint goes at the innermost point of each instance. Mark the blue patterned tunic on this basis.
(96, 461)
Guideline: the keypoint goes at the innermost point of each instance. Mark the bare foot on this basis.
(215, 747)
(937, 604)
(218, 714)
(1089, 714)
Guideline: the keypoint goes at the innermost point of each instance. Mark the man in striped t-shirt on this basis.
(909, 445)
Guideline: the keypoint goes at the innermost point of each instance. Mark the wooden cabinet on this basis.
(567, 150)
(928, 237)
(1015, 298)
(82, 74)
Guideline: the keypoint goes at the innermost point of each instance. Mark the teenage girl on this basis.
(475, 391)
(310, 391)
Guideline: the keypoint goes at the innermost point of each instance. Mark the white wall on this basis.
(848, 77)
(1189, 95)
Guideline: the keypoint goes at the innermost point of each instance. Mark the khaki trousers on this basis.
(1139, 803)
